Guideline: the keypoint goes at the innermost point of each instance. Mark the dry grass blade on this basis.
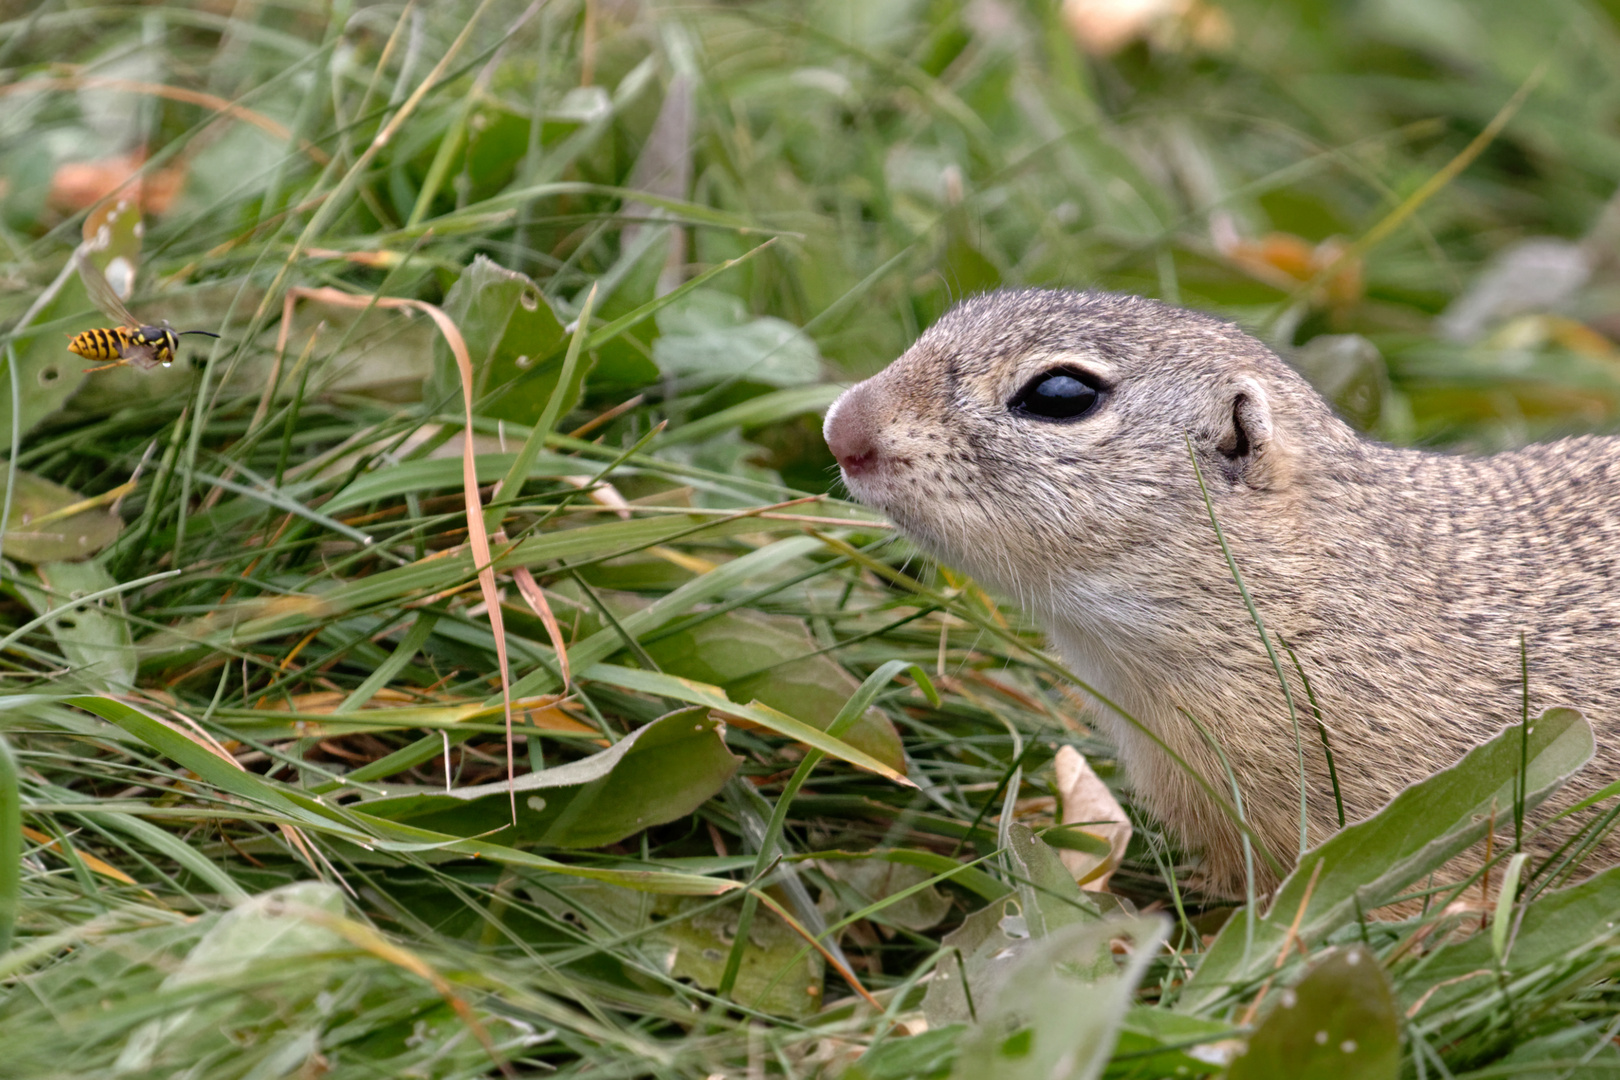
(477, 537)
(1285, 949)
(535, 596)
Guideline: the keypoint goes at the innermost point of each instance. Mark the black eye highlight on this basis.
(1060, 394)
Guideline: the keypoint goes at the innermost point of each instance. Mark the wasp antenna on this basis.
(205, 333)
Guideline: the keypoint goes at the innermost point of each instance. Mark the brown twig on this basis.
(612, 414)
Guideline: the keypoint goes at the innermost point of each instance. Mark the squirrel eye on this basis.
(1061, 394)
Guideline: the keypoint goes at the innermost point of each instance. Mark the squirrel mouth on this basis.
(871, 485)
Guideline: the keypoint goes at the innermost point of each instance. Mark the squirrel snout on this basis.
(851, 430)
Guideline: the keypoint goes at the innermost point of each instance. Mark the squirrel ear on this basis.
(1250, 449)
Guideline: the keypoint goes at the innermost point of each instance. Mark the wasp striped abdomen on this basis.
(140, 346)
(101, 343)
(137, 344)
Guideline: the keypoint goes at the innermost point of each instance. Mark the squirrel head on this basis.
(1043, 432)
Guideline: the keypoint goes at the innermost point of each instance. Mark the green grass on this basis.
(232, 727)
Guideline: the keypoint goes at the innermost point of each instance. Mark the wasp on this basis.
(132, 342)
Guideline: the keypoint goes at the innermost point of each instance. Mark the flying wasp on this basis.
(132, 342)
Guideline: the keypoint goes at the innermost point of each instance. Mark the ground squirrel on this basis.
(1040, 441)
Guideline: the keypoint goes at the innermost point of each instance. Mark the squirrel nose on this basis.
(851, 431)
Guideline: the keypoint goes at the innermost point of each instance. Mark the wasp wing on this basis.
(101, 291)
(144, 357)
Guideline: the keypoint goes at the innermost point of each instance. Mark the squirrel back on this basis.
(1044, 442)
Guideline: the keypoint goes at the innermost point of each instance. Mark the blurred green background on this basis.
(759, 202)
(1235, 157)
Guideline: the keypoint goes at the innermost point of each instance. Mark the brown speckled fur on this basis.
(1402, 579)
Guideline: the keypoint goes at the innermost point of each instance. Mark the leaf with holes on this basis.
(657, 773)
(1337, 1023)
(688, 939)
(46, 373)
(515, 341)
(37, 531)
(94, 638)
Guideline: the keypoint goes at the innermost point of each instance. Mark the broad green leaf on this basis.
(982, 952)
(969, 877)
(1349, 371)
(1054, 1018)
(708, 336)
(94, 638)
(778, 975)
(497, 141)
(1337, 1023)
(1371, 862)
(566, 391)
(295, 807)
(927, 1056)
(47, 374)
(764, 658)
(631, 283)
(966, 269)
(657, 773)
(1050, 896)
(1556, 925)
(261, 927)
(511, 335)
(712, 697)
(688, 938)
(36, 532)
